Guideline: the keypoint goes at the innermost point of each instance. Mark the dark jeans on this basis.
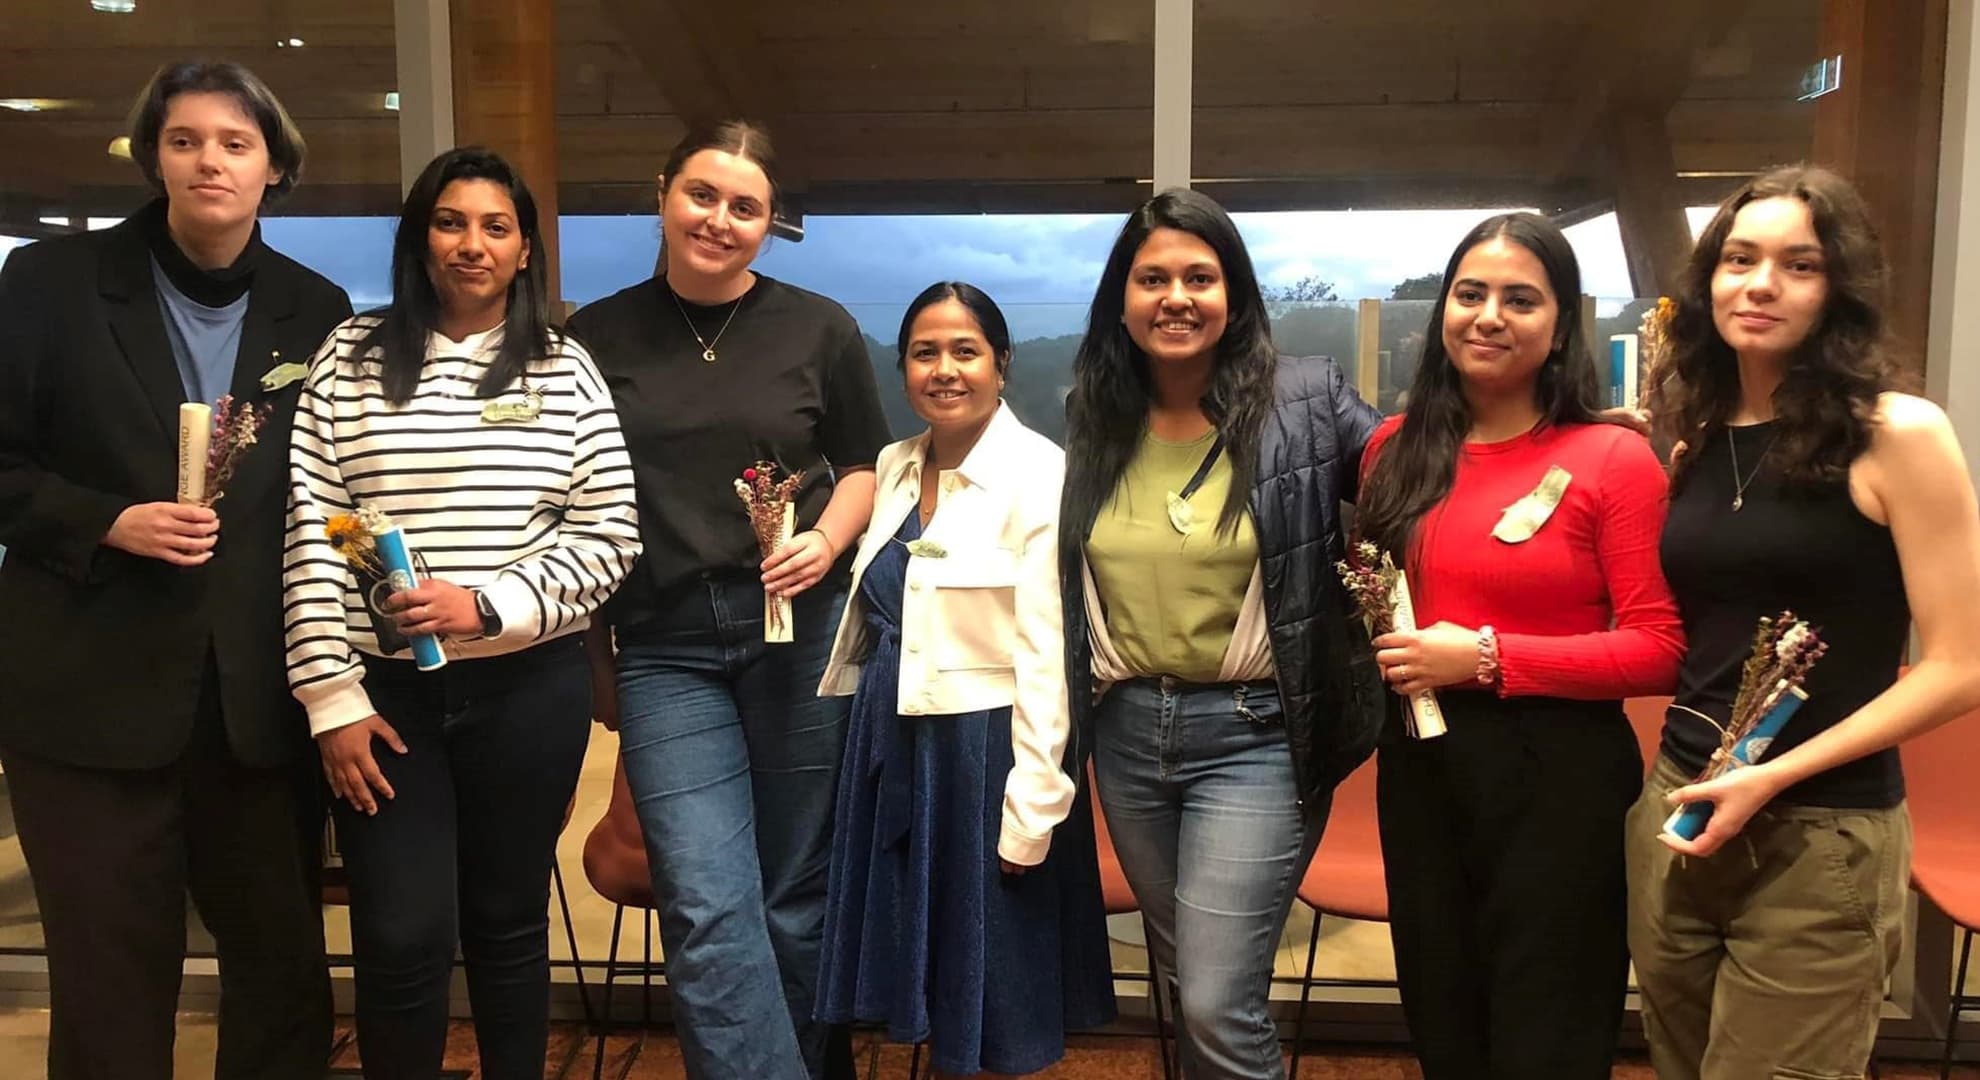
(113, 853)
(462, 852)
(733, 760)
(1503, 843)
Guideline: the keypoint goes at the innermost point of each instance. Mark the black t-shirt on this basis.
(791, 383)
(1808, 551)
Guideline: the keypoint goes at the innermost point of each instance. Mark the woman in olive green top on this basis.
(1201, 465)
(1173, 597)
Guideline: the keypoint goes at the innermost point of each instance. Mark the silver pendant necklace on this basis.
(1740, 486)
(707, 346)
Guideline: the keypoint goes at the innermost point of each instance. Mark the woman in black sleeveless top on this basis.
(1800, 482)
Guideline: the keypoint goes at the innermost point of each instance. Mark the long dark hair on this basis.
(1418, 464)
(989, 318)
(1827, 399)
(1107, 410)
(401, 335)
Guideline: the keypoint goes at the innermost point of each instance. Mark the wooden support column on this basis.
(1649, 209)
(1368, 350)
(1881, 129)
(1175, 59)
(505, 98)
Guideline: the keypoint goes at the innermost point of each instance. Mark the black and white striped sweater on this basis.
(540, 516)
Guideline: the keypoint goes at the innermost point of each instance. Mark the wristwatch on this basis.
(491, 622)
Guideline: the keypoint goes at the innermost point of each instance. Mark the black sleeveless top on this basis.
(1807, 551)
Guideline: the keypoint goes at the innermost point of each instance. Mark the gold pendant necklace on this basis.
(707, 346)
(1740, 486)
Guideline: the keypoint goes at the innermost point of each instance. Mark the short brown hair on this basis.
(285, 143)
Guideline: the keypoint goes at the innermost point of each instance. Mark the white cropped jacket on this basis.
(981, 626)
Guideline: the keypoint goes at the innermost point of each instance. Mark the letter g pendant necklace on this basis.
(707, 345)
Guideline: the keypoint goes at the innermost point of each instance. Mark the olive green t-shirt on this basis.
(1171, 598)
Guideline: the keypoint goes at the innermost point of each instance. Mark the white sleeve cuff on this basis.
(339, 705)
(515, 604)
(1017, 847)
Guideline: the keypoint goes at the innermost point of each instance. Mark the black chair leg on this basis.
(648, 917)
(1158, 990)
(914, 1063)
(1305, 993)
(873, 1054)
(611, 973)
(1958, 1005)
(570, 936)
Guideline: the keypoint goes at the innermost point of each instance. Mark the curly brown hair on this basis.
(1828, 395)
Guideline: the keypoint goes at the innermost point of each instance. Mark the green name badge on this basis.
(282, 375)
(525, 411)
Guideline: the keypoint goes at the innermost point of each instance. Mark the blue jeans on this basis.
(733, 761)
(1197, 783)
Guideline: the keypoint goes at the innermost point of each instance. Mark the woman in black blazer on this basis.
(149, 740)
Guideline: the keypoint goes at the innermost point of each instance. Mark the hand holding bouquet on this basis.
(1381, 593)
(772, 515)
(212, 441)
(378, 556)
(1784, 649)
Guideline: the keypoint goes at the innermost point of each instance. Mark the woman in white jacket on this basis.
(964, 904)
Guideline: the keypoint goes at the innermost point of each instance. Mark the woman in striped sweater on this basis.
(490, 439)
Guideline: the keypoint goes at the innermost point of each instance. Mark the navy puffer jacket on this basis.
(1309, 462)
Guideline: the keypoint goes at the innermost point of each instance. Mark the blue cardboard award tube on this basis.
(1689, 820)
(393, 553)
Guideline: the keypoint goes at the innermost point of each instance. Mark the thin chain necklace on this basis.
(707, 346)
(1740, 486)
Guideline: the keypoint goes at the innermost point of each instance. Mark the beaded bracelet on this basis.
(1488, 656)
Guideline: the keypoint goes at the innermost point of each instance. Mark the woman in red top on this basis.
(1543, 606)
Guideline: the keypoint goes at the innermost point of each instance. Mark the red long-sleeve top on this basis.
(1581, 608)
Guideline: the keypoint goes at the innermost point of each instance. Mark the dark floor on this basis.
(1098, 1057)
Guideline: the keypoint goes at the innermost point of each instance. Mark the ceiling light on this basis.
(114, 7)
(289, 43)
(120, 147)
(392, 100)
(40, 104)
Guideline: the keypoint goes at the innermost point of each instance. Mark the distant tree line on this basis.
(1308, 319)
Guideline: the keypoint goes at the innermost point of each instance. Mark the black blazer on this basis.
(102, 652)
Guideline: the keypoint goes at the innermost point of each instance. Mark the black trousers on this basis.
(1503, 841)
(462, 853)
(113, 854)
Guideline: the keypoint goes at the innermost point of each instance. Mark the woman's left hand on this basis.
(1735, 798)
(799, 564)
(440, 608)
(1414, 661)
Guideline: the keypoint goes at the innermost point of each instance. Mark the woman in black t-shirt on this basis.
(731, 756)
(1801, 482)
